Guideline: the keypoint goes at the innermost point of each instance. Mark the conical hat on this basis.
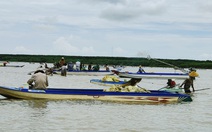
(193, 74)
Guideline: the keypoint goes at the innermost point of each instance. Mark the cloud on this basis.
(134, 27)
(133, 9)
(67, 45)
(88, 50)
(63, 45)
(206, 56)
(94, 2)
(142, 54)
(21, 49)
(118, 51)
(45, 27)
(205, 6)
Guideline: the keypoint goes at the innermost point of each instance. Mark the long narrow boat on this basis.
(12, 66)
(89, 73)
(154, 96)
(175, 89)
(152, 75)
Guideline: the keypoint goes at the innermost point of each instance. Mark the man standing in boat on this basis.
(140, 70)
(62, 61)
(38, 80)
(64, 70)
(189, 82)
(78, 63)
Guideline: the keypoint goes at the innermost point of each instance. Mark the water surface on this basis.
(89, 116)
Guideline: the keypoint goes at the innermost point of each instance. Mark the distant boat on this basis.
(12, 66)
(152, 75)
(89, 73)
(153, 96)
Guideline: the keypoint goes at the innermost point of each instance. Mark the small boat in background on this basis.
(151, 75)
(87, 72)
(7, 64)
(11, 65)
(153, 96)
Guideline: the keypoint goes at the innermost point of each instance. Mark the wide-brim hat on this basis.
(193, 74)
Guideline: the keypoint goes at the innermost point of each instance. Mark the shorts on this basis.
(187, 91)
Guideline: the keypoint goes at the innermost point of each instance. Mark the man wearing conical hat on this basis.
(187, 84)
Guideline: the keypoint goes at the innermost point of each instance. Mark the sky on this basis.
(167, 29)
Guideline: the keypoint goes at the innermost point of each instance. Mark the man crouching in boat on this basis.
(132, 82)
(38, 80)
(129, 86)
(171, 83)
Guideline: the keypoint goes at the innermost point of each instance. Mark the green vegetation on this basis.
(125, 61)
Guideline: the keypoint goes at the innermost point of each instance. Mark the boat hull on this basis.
(89, 73)
(12, 66)
(93, 94)
(153, 75)
(175, 89)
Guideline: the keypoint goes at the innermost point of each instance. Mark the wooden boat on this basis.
(175, 89)
(106, 83)
(154, 96)
(152, 75)
(12, 66)
(89, 73)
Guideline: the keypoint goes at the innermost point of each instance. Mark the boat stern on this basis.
(185, 98)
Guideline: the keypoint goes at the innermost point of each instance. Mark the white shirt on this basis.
(77, 64)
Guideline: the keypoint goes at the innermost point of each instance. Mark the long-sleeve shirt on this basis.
(40, 81)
